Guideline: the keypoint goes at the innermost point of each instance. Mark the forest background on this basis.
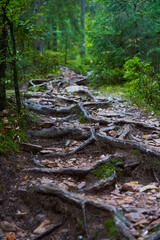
(114, 42)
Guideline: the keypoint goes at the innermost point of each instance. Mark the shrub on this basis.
(107, 77)
(135, 68)
(143, 87)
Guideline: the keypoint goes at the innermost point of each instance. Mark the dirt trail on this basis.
(90, 171)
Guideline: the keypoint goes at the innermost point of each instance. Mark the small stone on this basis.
(40, 217)
(158, 196)
(8, 227)
(80, 237)
(153, 191)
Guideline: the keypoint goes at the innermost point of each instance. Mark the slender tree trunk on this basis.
(38, 44)
(82, 27)
(3, 50)
(55, 36)
(14, 66)
(66, 48)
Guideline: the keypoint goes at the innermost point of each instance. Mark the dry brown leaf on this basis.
(10, 236)
(26, 176)
(141, 223)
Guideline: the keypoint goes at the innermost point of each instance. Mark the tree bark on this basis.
(83, 28)
(3, 50)
(14, 66)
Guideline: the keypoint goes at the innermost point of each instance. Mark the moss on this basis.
(136, 153)
(114, 232)
(156, 162)
(106, 170)
(35, 89)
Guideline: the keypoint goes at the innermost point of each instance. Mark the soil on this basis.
(99, 182)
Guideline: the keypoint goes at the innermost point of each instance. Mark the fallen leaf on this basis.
(10, 236)
(25, 177)
(155, 222)
(135, 182)
(42, 227)
(141, 223)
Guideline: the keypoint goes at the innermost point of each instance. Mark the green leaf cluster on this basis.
(143, 86)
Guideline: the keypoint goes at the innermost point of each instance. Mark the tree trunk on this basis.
(14, 66)
(66, 48)
(38, 43)
(3, 50)
(54, 36)
(82, 27)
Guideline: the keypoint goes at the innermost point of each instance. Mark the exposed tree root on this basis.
(74, 171)
(88, 94)
(82, 146)
(99, 125)
(38, 82)
(100, 184)
(127, 144)
(45, 109)
(79, 201)
(54, 132)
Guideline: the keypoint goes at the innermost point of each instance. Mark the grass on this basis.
(117, 90)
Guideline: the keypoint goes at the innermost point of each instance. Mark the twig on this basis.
(48, 231)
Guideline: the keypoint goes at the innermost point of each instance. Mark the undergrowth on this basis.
(106, 170)
(12, 130)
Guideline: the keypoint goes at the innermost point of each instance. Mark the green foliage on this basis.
(116, 34)
(35, 89)
(47, 62)
(106, 170)
(115, 90)
(12, 131)
(135, 68)
(143, 88)
(113, 230)
(107, 76)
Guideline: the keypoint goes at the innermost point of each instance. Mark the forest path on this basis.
(91, 169)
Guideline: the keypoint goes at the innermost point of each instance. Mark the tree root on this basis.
(54, 132)
(100, 184)
(82, 146)
(81, 202)
(74, 171)
(90, 95)
(45, 109)
(126, 144)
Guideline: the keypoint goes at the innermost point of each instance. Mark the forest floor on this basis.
(91, 168)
